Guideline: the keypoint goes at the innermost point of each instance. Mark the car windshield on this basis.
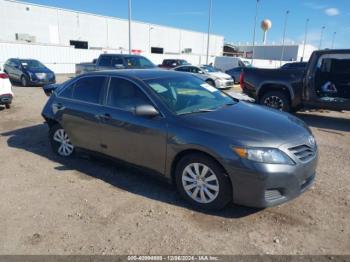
(209, 69)
(138, 62)
(31, 64)
(247, 63)
(183, 62)
(189, 94)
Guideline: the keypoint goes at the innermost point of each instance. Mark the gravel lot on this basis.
(82, 206)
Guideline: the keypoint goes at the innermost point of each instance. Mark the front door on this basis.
(134, 139)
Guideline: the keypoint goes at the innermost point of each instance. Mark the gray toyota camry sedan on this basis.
(215, 148)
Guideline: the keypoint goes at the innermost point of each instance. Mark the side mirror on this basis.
(119, 66)
(146, 111)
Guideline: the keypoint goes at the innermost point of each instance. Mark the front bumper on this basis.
(42, 81)
(265, 185)
(224, 84)
(6, 99)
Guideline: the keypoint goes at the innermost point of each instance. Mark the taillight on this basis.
(241, 80)
(4, 76)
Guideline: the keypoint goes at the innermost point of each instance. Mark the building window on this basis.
(157, 50)
(79, 44)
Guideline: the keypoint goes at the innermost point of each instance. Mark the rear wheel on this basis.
(60, 141)
(210, 82)
(203, 182)
(277, 100)
(8, 106)
(24, 81)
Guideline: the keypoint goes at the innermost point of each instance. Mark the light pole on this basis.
(333, 38)
(209, 25)
(284, 35)
(321, 37)
(305, 38)
(254, 31)
(129, 7)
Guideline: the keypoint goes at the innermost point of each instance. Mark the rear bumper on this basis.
(6, 99)
(266, 185)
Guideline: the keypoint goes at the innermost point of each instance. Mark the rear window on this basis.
(89, 89)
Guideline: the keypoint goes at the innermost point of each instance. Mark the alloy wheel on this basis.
(65, 146)
(200, 183)
(274, 102)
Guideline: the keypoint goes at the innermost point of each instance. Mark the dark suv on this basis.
(215, 148)
(28, 72)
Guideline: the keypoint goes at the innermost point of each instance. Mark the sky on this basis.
(234, 19)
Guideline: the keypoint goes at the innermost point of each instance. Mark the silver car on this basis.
(209, 74)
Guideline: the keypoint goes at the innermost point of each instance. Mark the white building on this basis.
(274, 52)
(270, 56)
(50, 34)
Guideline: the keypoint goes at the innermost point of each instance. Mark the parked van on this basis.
(225, 63)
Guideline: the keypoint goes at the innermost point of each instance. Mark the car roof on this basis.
(141, 74)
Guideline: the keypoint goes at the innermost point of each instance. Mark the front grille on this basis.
(229, 83)
(272, 194)
(304, 152)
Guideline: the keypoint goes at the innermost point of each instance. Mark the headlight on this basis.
(264, 155)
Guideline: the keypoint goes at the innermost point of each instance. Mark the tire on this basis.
(8, 106)
(210, 82)
(277, 100)
(24, 81)
(215, 181)
(60, 142)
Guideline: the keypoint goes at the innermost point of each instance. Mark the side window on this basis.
(105, 61)
(194, 70)
(125, 94)
(89, 89)
(117, 61)
(67, 92)
(184, 69)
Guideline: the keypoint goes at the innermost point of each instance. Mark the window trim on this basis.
(150, 100)
(73, 83)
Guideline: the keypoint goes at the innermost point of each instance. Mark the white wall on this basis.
(62, 59)
(274, 52)
(59, 26)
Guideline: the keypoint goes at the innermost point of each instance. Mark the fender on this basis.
(279, 83)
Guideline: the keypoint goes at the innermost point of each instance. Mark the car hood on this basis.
(220, 75)
(251, 125)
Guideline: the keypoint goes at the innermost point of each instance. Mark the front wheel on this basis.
(8, 106)
(210, 82)
(24, 81)
(60, 141)
(203, 182)
(277, 100)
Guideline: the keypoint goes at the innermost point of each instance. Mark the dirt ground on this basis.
(81, 206)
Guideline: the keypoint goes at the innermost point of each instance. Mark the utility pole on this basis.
(321, 37)
(254, 31)
(333, 38)
(305, 38)
(129, 7)
(284, 36)
(209, 26)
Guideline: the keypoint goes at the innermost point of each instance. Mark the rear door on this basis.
(80, 111)
(134, 139)
(328, 82)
